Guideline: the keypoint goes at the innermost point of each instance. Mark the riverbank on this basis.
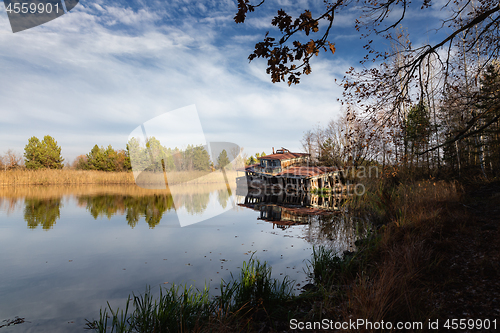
(92, 177)
(433, 257)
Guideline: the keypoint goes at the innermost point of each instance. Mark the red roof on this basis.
(284, 156)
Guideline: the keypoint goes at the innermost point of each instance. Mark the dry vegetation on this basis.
(86, 177)
(58, 191)
(432, 257)
(402, 258)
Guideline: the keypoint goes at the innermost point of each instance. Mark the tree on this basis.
(201, 159)
(96, 158)
(43, 154)
(418, 128)
(81, 163)
(469, 26)
(105, 159)
(11, 160)
(222, 160)
(33, 154)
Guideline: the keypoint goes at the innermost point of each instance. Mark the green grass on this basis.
(185, 309)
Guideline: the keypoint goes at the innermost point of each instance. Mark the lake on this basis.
(66, 251)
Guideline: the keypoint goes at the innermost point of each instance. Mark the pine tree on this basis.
(43, 154)
(222, 160)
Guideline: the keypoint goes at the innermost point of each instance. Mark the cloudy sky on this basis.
(95, 74)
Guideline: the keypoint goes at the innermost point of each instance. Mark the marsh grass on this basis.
(325, 266)
(185, 309)
(255, 288)
(63, 177)
(393, 266)
(57, 191)
(85, 177)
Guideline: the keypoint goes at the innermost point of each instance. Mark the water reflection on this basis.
(42, 212)
(321, 213)
(67, 275)
(195, 203)
(286, 209)
(329, 222)
(46, 211)
(223, 197)
(151, 208)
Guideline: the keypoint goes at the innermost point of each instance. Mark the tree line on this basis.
(46, 154)
(428, 108)
(427, 137)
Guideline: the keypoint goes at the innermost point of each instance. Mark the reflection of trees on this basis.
(151, 207)
(196, 203)
(223, 197)
(44, 212)
(338, 231)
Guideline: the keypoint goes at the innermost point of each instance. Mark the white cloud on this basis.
(85, 82)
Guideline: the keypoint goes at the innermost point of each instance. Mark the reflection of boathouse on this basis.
(291, 172)
(291, 209)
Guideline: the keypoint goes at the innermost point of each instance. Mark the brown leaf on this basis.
(332, 47)
(310, 47)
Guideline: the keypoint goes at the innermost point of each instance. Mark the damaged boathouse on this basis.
(291, 172)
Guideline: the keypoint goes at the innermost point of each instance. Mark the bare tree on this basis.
(374, 89)
(12, 160)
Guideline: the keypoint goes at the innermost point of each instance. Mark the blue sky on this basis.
(93, 75)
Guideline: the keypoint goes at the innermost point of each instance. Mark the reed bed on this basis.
(253, 294)
(90, 177)
(63, 177)
(390, 278)
(57, 191)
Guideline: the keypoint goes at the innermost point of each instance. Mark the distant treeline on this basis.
(46, 154)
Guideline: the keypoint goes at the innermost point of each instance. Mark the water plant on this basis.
(325, 266)
(181, 308)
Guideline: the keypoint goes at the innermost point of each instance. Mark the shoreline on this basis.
(422, 253)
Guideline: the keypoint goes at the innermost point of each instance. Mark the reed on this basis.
(394, 264)
(91, 177)
(63, 177)
(325, 266)
(57, 191)
(185, 309)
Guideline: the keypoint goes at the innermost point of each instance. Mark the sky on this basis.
(94, 75)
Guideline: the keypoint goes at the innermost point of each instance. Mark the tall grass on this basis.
(57, 191)
(185, 309)
(325, 266)
(66, 177)
(84, 177)
(393, 266)
(255, 288)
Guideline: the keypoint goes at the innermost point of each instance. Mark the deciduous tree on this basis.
(468, 26)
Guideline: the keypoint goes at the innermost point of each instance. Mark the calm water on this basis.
(62, 258)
